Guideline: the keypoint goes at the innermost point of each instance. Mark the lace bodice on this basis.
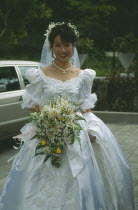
(42, 88)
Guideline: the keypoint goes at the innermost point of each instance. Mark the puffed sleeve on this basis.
(87, 99)
(34, 91)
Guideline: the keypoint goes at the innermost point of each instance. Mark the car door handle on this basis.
(20, 98)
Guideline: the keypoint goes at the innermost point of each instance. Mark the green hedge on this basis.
(105, 66)
(115, 93)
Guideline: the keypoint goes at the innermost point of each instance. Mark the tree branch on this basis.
(3, 31)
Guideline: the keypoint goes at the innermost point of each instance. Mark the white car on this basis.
(12, 87)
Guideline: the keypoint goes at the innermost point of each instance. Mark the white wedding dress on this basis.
(98, 177)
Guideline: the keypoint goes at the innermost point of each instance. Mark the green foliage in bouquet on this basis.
(57, 126)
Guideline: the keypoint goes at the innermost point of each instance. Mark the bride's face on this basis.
(63, 51)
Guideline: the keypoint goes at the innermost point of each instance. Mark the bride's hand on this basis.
(35, 109)
(92, 138)
(87, 110)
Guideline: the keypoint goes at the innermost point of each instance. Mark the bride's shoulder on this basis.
(33, 74)
(76, 71)
(89, 73)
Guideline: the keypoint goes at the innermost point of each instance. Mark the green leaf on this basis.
(46, 158)
(77, 117)
(38, 146)
(40, 153)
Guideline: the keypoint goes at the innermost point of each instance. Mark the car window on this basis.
(8, 79)
(23, 71)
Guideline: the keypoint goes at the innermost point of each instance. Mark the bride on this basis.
(95, 177)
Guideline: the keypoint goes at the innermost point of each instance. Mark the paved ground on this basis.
(127, 135)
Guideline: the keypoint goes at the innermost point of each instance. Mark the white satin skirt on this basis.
(95, 177)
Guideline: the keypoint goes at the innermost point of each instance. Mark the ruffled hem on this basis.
(89, 102)
(29, 101)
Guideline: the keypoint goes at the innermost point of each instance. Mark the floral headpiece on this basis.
(52, 25)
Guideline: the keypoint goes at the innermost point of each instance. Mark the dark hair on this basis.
(66, 33)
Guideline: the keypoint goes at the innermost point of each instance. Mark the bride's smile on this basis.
(63, 51)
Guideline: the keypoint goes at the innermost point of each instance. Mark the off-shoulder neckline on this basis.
(52, 78)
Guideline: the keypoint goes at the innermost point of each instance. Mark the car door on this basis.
(11, 115)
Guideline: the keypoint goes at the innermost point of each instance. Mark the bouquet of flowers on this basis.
(57, 126)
